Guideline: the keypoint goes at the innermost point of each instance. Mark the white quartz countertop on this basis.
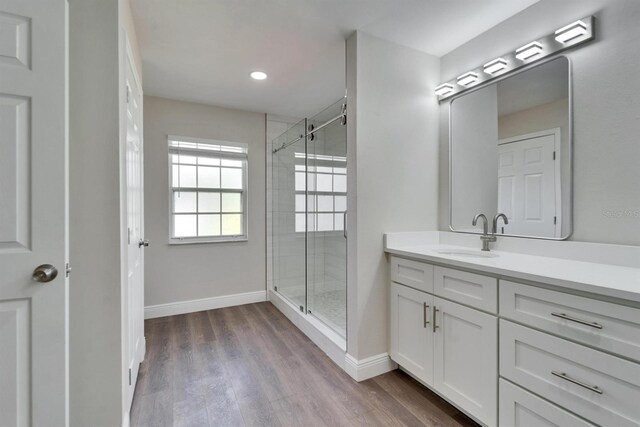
(604, 279)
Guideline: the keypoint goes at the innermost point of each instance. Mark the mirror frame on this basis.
(507, 75)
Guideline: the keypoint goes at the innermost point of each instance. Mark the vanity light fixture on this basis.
(571, 31)
(495, 66)
(467, 79)
(529, 51)
(577, 33)
(444, 89)
(258, 75)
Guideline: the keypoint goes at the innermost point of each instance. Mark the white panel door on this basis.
(466, 359)
(33, 217)
(411, 331)
(529, 185)
(135, 227)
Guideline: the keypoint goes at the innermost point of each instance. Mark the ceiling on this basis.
(204, 50)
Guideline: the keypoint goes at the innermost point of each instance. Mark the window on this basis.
(326, 195)
(207, 190)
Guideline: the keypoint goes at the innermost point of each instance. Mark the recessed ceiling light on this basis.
(258, 75)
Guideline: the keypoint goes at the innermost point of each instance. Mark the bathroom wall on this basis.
(605, 118)
(392, 153)
(96, 182)
(175, 273)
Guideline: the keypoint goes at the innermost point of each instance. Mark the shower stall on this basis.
(309, 208)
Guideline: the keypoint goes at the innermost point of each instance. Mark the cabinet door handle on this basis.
(566, 377)
(435, 310)
(424, 315)
(574, 319)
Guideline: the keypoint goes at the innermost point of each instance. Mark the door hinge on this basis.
(555, 220)
(129, 376)
(554, 155)
(67, 269)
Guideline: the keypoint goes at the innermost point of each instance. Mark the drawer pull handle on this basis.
(566, 377)
(573, 319)
(435, 310)
(424, 314)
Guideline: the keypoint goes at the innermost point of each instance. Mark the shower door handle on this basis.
(344, 224)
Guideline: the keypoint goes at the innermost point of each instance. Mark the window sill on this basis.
(177, 242)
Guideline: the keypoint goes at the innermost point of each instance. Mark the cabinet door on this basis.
(466, 359)
(411, 333)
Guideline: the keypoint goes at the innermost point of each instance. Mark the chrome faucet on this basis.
(495, 222)
(486, 237)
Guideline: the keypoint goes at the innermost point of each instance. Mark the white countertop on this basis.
(604, 279)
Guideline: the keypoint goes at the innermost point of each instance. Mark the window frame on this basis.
(244, 198)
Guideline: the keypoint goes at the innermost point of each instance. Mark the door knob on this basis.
(142, 243)
(44, 273)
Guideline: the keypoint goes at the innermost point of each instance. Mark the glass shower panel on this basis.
(326, 162)
(288, 215)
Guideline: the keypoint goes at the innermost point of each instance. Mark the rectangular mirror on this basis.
(510, 152)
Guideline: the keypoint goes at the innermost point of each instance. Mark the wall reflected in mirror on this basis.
(510, 148)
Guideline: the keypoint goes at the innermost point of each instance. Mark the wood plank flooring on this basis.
(250, 366)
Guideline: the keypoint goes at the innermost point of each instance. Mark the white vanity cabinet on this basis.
(450, 347)
(514, 354)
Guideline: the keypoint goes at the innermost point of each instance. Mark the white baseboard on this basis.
(182, 307)
(369, 367)
(328, 341)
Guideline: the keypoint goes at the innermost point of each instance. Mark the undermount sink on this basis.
(468, 253)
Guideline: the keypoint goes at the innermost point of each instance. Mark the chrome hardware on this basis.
(142, 243)
(310, 132)
(486, 238)
(44, 273)
(424, 314)
(435, 310)
(67, 269)
(574, 319)
(344, 224)
(566, 377)
(344, 114)
(495, 222)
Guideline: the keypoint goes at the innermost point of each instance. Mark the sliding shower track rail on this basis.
(342, 116)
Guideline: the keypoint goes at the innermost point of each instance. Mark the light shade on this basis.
(495, 66)
(529, 51)
(467, 79)
(258, 75)
(571, 31)
(444, 89)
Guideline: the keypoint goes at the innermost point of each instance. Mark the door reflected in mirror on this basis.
(510, 148)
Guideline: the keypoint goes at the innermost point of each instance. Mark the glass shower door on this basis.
(326, 166)
(288, 216)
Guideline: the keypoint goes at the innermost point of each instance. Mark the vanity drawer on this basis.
(470, 289)
(519, 408)
(597, 386)
(608, 326)
(415, 274)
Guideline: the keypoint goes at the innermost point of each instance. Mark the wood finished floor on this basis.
(250, 366)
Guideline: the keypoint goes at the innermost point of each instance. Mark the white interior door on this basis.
(135, 227)
(33, 217)
(529, 185)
